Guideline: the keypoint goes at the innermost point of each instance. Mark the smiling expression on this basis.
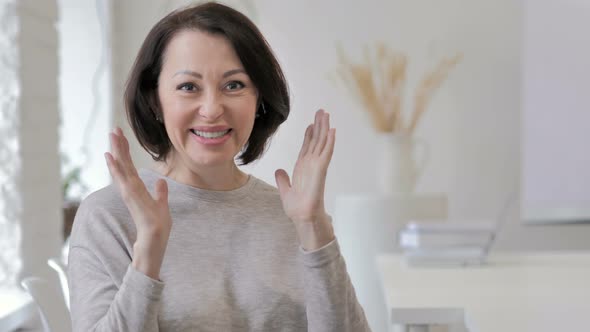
(208, 101)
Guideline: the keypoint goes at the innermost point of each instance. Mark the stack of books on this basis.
(446, 243)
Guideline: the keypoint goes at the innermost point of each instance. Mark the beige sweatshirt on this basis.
(233, 263)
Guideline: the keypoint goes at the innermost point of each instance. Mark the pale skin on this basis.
(215, 92)
(302, 196)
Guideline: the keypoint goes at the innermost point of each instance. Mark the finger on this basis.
(115, 146)
(323, 135)
(121, 140)
(161, 191)
(283, 182)
(116, 168)
(120, 148)
(316, 131)
(113, 166)
(125, 176)
(126, 154)
(116, 134)
(124, 142)
(330, 143)
(306, 140)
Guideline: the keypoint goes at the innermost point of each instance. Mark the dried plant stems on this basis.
(396, 73)
(428, 86)
(379, 84)
(359, 80)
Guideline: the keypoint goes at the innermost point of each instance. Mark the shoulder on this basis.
(264, 201)
(102, 216)
(103, 202)
(107, 198)
(265, 192)
(106, 204)
(102, 237)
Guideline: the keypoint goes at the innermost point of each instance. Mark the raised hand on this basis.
(150, 215)
(303, 198)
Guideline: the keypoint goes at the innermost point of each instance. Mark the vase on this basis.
(402, 159)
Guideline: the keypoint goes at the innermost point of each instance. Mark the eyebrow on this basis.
(198, 75)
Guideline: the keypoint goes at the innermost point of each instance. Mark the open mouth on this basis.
(211, 134)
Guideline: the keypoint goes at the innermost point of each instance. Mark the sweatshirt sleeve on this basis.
(331, 302)
(106, 292)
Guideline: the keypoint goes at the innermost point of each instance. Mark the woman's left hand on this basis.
(303, 199)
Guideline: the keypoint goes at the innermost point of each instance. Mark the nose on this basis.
(211, 107)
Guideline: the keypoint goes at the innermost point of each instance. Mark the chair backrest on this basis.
(48, 297)
(60, 268)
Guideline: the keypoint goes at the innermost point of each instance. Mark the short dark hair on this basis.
(141, 92)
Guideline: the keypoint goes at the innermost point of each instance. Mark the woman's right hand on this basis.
(151, 215)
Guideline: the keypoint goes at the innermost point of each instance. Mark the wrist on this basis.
(152, 237)
(315, 234)
(148, 255)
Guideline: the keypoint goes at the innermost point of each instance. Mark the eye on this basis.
(234, 85)
(187, 87)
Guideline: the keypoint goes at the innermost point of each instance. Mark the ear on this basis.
(155, 107)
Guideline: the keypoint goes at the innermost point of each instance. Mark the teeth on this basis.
(210, 134)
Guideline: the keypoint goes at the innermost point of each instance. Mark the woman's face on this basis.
(208, 101)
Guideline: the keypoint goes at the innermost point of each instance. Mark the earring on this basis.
(263, 110)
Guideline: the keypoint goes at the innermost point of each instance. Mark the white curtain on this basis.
(10, 200)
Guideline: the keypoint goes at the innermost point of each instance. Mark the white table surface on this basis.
(538, 292)
(17, 309)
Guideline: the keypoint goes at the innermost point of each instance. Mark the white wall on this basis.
(473, 125)
(462, 118)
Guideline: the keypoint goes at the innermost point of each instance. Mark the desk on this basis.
(538, 292)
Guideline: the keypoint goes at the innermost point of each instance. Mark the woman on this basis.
(197, 244)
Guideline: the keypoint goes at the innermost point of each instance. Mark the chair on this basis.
(49, 298)
(60, 268)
